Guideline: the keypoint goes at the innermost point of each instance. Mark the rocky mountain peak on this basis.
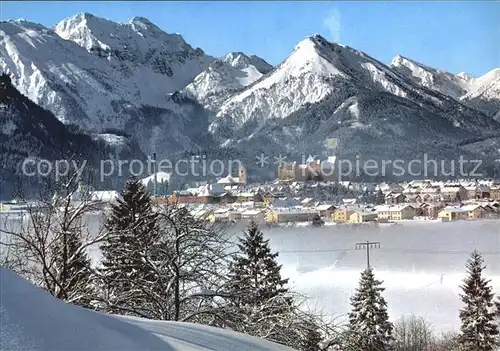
(241, 60)
(465, 76)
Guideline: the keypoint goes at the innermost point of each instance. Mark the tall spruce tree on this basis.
(131, 227)
(478, 331)
(369, 325)
(254, 275)
(259, 303)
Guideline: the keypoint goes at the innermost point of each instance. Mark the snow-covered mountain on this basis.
(444, 82)
(482, 93)
(90, 89)
(314, 71)
(137, 47)
(304, 77)
(136, 79)
(235, 71)
(242, 61)
(126, 86)
(324, 90)
(319, 70)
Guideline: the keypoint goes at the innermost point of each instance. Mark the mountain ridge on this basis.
(173, 98)
(322, 61)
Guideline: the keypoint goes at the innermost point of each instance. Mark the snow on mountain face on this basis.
(145, 64)
(465, 76)
(241, 61)
(125, 77)
(484, 85)
(302, 78)
(324, 90)
(235, 71)
(123, 91)
(136, 43)
(57, 74)
(443, 82)
(484, 93)
(371, 125)
(28, 130)
(306, 77)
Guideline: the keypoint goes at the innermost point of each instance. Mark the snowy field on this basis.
(421, 264)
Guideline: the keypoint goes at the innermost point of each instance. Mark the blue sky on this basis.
(454, 36)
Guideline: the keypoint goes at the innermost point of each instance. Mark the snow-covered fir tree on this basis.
(255, 274)
(131, 233)
(259, 303)
(369, 327)
(379, 198)
(478, 331)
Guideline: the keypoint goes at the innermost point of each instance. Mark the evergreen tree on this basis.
(254, 275)
(380, 198)
(478, 331)
(259, 303)
(369, 325)
(131, 233)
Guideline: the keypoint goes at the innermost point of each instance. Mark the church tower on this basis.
(242, 175)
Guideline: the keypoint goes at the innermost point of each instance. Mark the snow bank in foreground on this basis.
(32, 319)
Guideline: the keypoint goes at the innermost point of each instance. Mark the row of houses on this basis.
(215, 194)
(471, 211)
(231, 199)
(384, 213)
(429, 191)
(346, 214)
(413, 192)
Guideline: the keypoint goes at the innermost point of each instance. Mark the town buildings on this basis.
(232, 199)
(310, 170)
(395, 212)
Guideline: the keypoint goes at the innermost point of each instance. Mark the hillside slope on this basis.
(34, 320)
(28, 131)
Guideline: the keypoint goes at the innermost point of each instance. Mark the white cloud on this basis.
(333, 25)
